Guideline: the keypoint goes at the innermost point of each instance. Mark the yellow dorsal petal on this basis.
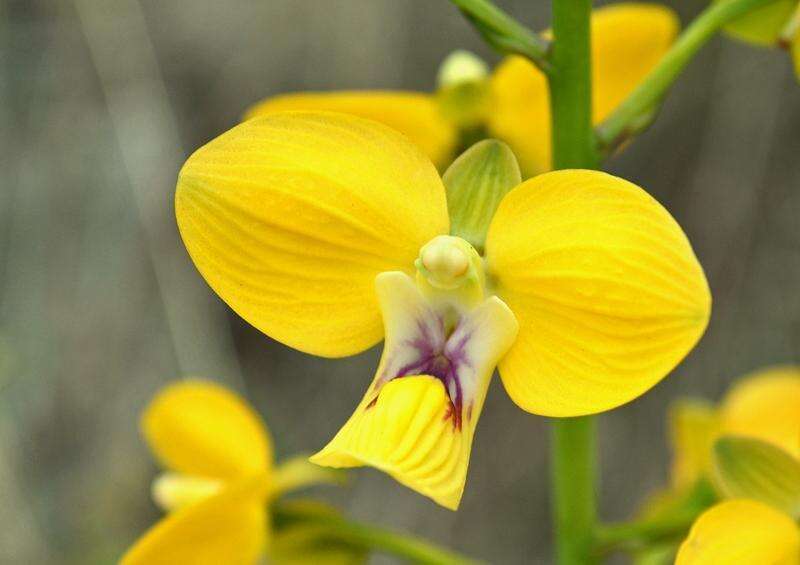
(417, 420)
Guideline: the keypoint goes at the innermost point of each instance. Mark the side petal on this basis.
(762, 26)
(628, 39)
(607, 290)
(744, 532)
(413, 114)
(766, 405)
(290, 217)
(230, 528)
(201, 429)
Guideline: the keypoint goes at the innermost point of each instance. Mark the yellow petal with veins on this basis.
(413, 114)
(766, 405)
(607, 290)
(230, 527)
(628, 39)
(201, 429)
(409, 433)
(744, 532)
(290, 217)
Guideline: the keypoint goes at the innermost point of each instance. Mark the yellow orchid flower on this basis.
(763, 405)
(628, 39)
(744, 532)
(219, 479)
(775, 25)
(329, 232)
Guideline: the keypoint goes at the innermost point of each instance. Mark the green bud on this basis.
(463, 94)
(459, 67)
(476, 182)
(751, 468)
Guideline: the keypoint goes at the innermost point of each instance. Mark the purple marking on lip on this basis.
(438, 356)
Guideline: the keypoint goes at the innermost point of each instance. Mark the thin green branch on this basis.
(504, 33)
(373, 538)
(636, 112)
(669, 524)
(629, 535)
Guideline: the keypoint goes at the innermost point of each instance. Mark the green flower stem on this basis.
(635, 112)
(571, 86)
(504, 32)
(573, 439)
(374, 538)
(573, 483)
(668, 525)
(642, 533)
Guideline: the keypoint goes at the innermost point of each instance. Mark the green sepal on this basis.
(476, 182)
(751, 468)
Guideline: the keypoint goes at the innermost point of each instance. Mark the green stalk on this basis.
(647, 532)
(573, 485)
(503, 32)
(373, 538)
(571, 86)
(635, 112)
(573, 439)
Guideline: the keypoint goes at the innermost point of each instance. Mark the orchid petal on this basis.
(607, 290)
(413, 114)
(766, 405)
(744, 532)
(201, 429)
(290, 217)
(230, 527)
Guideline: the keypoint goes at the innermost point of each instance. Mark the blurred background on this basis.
(100, 103)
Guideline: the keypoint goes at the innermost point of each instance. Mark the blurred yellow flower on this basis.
(741, 532)
(219, 478)
(628, 39)
(764, 405)
(329, 232)
(776, 24)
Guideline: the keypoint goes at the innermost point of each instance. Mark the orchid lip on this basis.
(438, 358)
(438, 355)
